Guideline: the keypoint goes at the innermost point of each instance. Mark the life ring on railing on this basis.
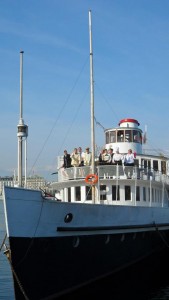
(91, 179)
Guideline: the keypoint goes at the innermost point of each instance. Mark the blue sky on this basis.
(131, 74)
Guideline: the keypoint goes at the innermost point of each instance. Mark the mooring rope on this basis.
(3, 242)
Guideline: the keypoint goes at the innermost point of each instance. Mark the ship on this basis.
(102, 218)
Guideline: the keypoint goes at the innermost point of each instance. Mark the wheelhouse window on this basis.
(120, 136)
(107, 137)
(137, 136)
(112, 136)
(128, 136)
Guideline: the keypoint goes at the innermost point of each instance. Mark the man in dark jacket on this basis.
(66, 160)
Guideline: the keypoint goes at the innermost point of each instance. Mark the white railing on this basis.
(112, 172)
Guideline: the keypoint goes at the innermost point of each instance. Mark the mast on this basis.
(22, 129)
(92, 105)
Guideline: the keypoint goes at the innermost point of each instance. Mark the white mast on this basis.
(92, 104)
(22, 128)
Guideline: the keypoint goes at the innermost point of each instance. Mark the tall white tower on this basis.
(22, 130)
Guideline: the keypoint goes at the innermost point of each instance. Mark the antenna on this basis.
(22, 129)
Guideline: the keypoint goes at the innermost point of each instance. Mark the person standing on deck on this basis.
(81, 154)
(75, 158)
(87, 157)
(66, 160)
(117, 158)
(129, 163)
(105, 157)
(110, 161)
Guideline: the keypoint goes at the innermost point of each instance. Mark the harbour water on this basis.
(6, 283)
(149, 281)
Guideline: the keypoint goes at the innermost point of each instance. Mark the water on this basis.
(146, 282)
(6, 282)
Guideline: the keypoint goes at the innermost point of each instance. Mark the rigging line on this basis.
(59, 114)
(117, 117)
(77, 111)
(98, 123)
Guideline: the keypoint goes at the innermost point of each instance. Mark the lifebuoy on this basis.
(91, 179)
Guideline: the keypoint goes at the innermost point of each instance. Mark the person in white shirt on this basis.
(87, 157)
(129, 163)
(117, 158)
(81, 155)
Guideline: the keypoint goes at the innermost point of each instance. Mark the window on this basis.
(128, 136)
(163, 167)
(137, 137)
(120, 136)
(148, 194)
(144, 193)
(127, 192)
(88, 193)
(69, 194)
(78, 193)
(112, 136)
(137, 193)
(107, 137)
(103, 192)
(115, 193)
(155, 165)
(153, 195)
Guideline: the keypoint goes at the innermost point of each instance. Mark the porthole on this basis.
(68, 218)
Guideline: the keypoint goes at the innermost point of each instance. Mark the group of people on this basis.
(111, 158)
(108, 157)
(77, 158)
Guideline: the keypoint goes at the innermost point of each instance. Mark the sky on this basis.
(130, 65)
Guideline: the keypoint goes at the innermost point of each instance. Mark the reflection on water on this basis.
(148, 281)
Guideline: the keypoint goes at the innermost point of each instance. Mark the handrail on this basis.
(112, 172)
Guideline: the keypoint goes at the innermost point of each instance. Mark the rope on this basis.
(3, 242)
